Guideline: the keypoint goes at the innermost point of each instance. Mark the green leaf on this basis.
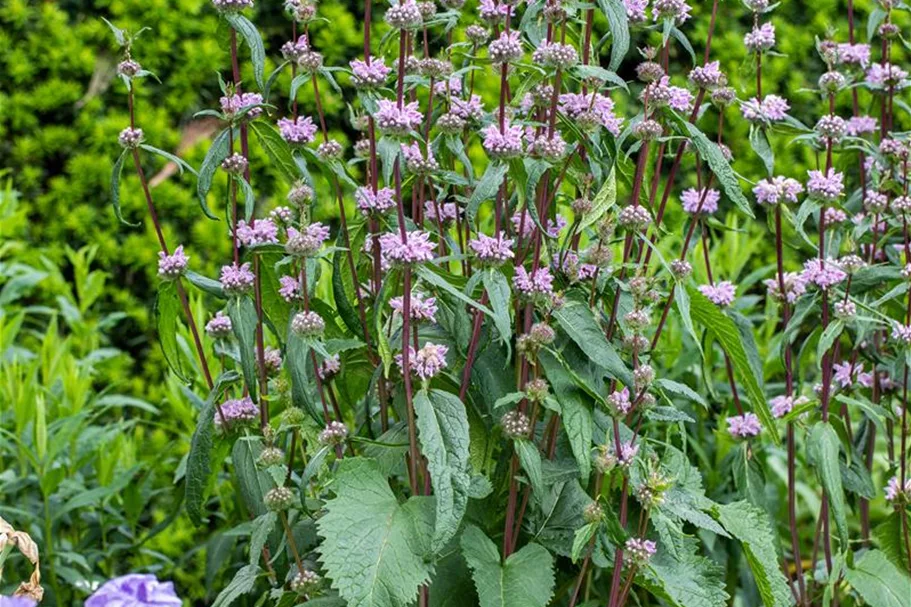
(526, 579)
(254, 42)
(205, 284)
(436, 280)
(682, 301)
(878, 581)
(681, 576)
(509, 399)
(119, 34)
(375, 550)
(603, 201)
(487, 188)
(577, 414)
(181, 163)
(823, 453)
(252, 480)
(199, 459)
(248, 196)
(581, 539)
(97, 495)
(668, 414)
(262, 527)
(827, 339)
(750, 525)
(855, 478)
(876, 18)
(890, 539)
(388, 150)
(115, 189)
(530, 460)
(243, 583)
(299, 81)
(278, 150)
(594, 71)
(874, 412)
(243, 318)
(168, 311)
(339, 292)
(711, 153)
(723, 329)
(299, 362)
(576, 319)
(560, 514)
(760, 144)
(684, 42)
(618, 22)
(529, 173)
(275, 309)
(678, 389)
(498, 292)
(748, 477)
(443, 430)
(217, 152)
(313, 466)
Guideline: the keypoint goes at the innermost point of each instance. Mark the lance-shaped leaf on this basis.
(748, 475)
(530, 460)
(342, 284)
(180, 162)
(262, 528)
(277, 149)
(168, 310)
(577, 414)
(443, 431)
(618, 22)
(498, 293)
(199, 460)
(723, 329)
(243, 318)
(576, 319)
(252, 480)
(243, 583)
(760, 144)
(254, 42)
(375, 550)
(823, 452)
(712, 154)
(603, 201)
(217, 152)
(526, 579)
(115, 189)
(750, 526)
(487, 188)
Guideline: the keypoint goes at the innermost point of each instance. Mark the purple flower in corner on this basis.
(171, 267)
(426, 362)
(237, 280)
(744, 426)
(771, 109)
(299, 131)
(721, 294)
(700, 201)
(492, 251)
(16, 601)
(234, 411)
(134, 590)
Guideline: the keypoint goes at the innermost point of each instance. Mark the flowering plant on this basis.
(491, 348)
